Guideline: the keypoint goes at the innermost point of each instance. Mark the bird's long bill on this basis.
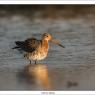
(57, 43)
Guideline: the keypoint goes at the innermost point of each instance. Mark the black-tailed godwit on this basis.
(36, 49)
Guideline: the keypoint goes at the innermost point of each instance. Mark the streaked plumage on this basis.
(35, 49)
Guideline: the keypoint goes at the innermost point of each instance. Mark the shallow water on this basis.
(71, 68)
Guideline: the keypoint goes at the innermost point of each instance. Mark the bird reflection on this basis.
(39, 72)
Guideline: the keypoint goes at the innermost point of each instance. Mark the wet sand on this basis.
(71, 68)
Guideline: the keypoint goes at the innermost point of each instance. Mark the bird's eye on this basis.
(46, 35)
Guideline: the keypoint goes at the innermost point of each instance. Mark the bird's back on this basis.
(28, 45)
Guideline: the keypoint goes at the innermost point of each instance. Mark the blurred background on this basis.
(48, 11)
(71, 68)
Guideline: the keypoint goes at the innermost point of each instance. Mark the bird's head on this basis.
(49, 37)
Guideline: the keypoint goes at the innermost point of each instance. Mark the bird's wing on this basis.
(31, 44)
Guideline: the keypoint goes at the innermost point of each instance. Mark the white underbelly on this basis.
(39, 57)
(36, 56)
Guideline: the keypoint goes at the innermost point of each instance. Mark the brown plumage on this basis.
(35, 49)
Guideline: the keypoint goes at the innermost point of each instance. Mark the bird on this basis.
(36, 49)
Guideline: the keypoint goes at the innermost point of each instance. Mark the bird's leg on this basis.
(35, 61)
(30, 61)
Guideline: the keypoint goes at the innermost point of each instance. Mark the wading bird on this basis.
(36, 49)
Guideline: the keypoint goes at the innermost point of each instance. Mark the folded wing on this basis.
(28, 45)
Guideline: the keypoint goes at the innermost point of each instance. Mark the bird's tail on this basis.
(19, 44)
(16, 47)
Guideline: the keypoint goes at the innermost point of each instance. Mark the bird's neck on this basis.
(45, 43)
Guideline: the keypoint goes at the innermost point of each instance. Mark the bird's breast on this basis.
(40, 52)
